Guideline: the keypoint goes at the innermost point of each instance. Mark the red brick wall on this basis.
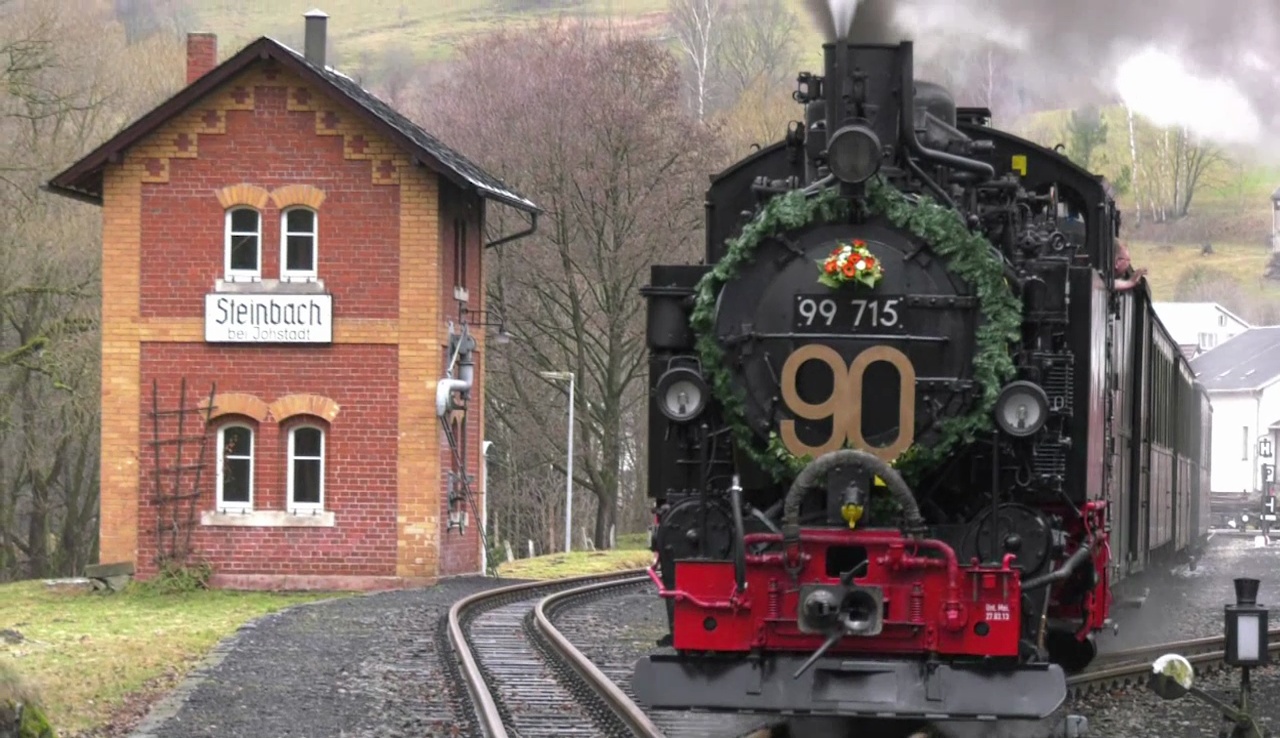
(268, 133)
(183, 224)
(460, 554)
(360, 454)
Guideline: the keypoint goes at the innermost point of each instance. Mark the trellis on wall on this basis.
(176, 477)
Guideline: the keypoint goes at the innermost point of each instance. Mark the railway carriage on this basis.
(904, 435)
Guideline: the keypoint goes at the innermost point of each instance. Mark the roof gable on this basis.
(83, 179)
(1184, 311)
(1248, 361)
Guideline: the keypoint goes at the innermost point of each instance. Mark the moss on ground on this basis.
(577, 563)
(90, 653)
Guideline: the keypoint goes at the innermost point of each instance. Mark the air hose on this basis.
(813, 474)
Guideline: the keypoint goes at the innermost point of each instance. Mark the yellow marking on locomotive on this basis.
(1020, 164)
(879, 482)
(852, 513)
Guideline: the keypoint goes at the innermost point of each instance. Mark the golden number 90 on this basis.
(844, 406)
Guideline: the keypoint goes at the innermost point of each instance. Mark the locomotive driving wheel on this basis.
(1069, 652)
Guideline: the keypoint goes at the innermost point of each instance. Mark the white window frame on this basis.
(236, 506)
(299, 275)
(305, 508)
(241, 275)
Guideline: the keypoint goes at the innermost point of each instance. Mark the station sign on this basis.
(249, 318)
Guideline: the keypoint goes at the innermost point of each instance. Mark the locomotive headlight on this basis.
(682, 394)
(854, 154)
(1022, 408)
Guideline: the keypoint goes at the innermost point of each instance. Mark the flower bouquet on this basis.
(851, 262)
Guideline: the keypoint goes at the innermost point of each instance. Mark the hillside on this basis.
(1233, 211)
(428, 29)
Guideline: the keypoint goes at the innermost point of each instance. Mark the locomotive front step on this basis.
(850, 687)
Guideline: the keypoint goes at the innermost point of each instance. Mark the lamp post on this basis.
(484, 507)
(568, 477)
(1246, 648)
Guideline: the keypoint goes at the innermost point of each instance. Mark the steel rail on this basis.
(486, 707)
(622, 705)
(1128, 667)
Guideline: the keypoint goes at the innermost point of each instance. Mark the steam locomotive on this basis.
(904, 435)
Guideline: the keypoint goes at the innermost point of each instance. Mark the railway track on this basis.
(527, 680)
(1131, 667)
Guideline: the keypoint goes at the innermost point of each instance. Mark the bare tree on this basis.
(1086, 133)
(758, 47)
(758, 117)
(697, 25)
(1173, 166)
(62, 91)
(1136, 183)
(591, 126)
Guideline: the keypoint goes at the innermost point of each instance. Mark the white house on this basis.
(1199, 326)
(1242, 376)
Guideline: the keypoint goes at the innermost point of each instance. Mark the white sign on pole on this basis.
(246, 318)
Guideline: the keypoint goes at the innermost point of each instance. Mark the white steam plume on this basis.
(1213, 68)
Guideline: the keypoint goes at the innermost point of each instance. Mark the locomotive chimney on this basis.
(870, 76)
(313, 50)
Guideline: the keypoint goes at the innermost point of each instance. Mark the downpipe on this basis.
(1068, 567)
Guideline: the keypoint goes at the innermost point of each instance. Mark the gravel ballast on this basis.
(371, 665)
(353, 667)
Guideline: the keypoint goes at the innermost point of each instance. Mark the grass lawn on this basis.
(89, 655)
(577, 563)
(429, 30)
(1166, 264)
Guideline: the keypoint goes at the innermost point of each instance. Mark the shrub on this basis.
(20, 713)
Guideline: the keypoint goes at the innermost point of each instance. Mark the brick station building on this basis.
(278, 231)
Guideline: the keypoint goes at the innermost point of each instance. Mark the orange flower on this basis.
(850, 268)
(831, 266)
(871, 261)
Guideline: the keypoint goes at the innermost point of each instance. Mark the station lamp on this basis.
(1246, 627)
(1172, 676)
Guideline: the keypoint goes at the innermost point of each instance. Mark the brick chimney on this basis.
(202, 55)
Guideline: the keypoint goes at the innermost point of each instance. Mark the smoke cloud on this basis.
(1213, 67)
(860, 21)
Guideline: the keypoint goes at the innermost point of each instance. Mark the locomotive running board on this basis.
(849, 687)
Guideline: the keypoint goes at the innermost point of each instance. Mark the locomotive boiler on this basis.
(880, 425)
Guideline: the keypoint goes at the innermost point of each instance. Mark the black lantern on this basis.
(1264, 447)
(1246, 627)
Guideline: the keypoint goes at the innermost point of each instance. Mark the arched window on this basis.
(298, 244)
(306, 469)
(243, 245)
(235, 468)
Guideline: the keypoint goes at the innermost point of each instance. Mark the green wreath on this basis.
(969, 256)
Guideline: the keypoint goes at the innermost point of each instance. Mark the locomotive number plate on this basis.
(881, 315)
